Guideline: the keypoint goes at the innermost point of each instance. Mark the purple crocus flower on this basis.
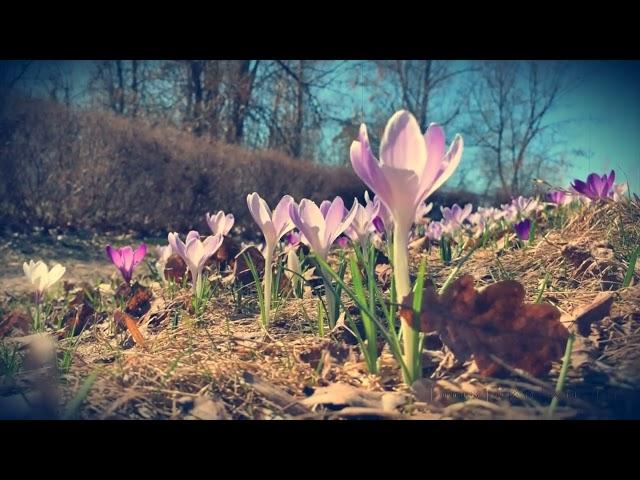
(126, 259)
(342, 241)
(557, 197)
(596, 186)
(523, 229)
(456, 214)
(434, 231)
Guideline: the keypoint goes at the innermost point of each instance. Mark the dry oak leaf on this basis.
(495, 321)
(123, 318)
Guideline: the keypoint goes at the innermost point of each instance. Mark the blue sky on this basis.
(601, 115)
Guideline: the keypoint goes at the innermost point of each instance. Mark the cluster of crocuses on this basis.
(458, 222)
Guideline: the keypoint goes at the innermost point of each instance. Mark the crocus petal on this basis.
(344, 224)
(402, 145)
(333, 219)
(55, 274)
(451, 162)
(115, 255)
(127, 258)
(324, 207)
(368, 169)
(176, 244)
(580, 187)
(139, 254)
(312, 225)
(262, 216)
(230, 220)
(281, 220)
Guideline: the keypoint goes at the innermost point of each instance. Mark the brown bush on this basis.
(92, 170)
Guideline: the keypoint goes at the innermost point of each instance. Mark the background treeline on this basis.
(150, 144)
(70, 168)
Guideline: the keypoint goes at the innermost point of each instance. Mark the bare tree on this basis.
(416, 84)
(509, 106)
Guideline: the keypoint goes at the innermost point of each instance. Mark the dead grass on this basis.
(228, 357)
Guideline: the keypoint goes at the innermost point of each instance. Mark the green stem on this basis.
(331, 300)
(410, 335)
(268, 274)
(563, 375)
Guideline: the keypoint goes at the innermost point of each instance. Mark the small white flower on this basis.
(40, 276)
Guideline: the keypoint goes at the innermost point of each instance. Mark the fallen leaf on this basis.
(80, 315)
(128, 321)
(227, 251)
(598, 309)
(384, 273)
(340, 395)
(175, 269)
(241, 271)
(14, 321)
(495, 321)
(137, 298)
(203, 408)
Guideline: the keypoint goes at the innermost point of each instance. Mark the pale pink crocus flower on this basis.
(321, 226)
(195, 252)
(273, 225)
(220, 223)
(410, 169)
(362, 226)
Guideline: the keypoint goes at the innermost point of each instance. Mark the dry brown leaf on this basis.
(203, 408)
(80, 314)
(175, 269)
(495, 321)
(598, 309)
(14, 320)
(340, 395)
(227, 251)
(137, 298)
(128, 321)
(241, 271)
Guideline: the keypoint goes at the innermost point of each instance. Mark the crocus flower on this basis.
(362, 225)
(383, 222)
(220, 223)
(619, 190)
(422, 212)
(342, 241)
(126, 259)
(322, 229)
(523, 228)
(40, 277)
(557, 197)
(434, 231)
(195, 252)
(293, 238)
(273, 225)
(411, 168)
(456, 214)
(294, 270)
(491, 215)
(479, 223)
(163, 252)
(596, 186)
